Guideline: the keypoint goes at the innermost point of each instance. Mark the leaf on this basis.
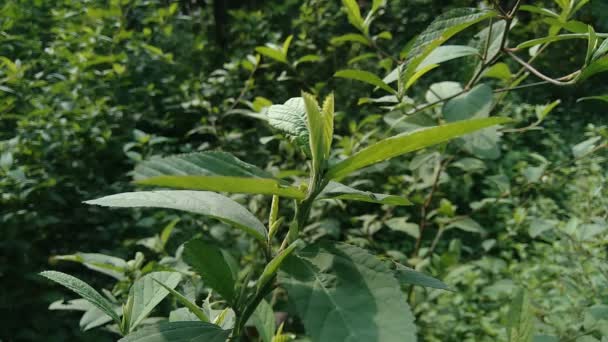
(475, 103)
(552, 39)
(215, 171)
(447, 53)
(521, 319)
(406, 275)
(147, 293)
(591, 44)
(84, 290)
(214, 267)
(350, 37)
(335, 190)
(264, 321)
(320, 126)
(290, 118)
(106, 264)
(286, 44)
(199, 202)
(198, 312)
(585, 147)
(597, 97)
(439, 31)
(271, 53)
(365, 76)
(354, 14)
(273, 266)
(179, 332)
(343, 293)
(601, 50)
(467, 224)
(408, 142)
(596, 67)
(401, 224)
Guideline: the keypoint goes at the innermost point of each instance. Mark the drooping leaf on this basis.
(406, 275)
(106, 264)
(147, 293)
(343, 293)
(84, 290)
(213, 265)
(335, 190)
(199, 202)
(365, 76)
(93, 317)
(264, 321)
(194, 309)
(404, 143)
(179, 332)
(214, 171)
(439, 31)
(521, 318)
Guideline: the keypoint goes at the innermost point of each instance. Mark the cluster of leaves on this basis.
(491, 212)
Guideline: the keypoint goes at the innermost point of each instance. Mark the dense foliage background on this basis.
(89, 88)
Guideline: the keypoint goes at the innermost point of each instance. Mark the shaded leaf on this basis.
(406, 275)
(179, 332)
(192, 307)
(521, 319)
(264, 321)
(147, 293)
(335, 190)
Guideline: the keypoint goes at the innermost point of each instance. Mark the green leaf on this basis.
(447, 53)
(466, 224)
(290, 118)
(597, 97)
(591, 44)
(271, 53)
(147, 293)
(475, 103)
(601, 50)
(343, 293)
(354, 14)
(106, 264)
(264, 321)
(179, 332)
(521, 319)
(551, 39)
(197, 311)
(335, 190)
(596, 67)
(273, 266)
(84, 290)
(213, 265)
(199, 202)
(286, 44)
(438, 32)
(408, 142)
(350, 37)
(538, 10)
(406, 275)
(365, 76)
(320, 126)
(500, 71)
(214, 171)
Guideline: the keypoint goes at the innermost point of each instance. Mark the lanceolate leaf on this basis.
(213, 265)
(365, 76)
(335, 190)
(521, 319)
(197, 311)
(147, 293)
(343, 293)
(179, 332)
(408, 142)
(446, 53)
(597, 97)
(84, 290)
(199, 202)
(439, 31)
(410, 276)
(106, 264)
(264, 321)
(596, 67)
(215, 171)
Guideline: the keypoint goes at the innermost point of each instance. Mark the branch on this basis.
(542, 76)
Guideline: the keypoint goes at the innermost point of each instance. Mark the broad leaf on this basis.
(520, 326)
(84, 290)
(408, 142)
(213, 265)
(335, 190)
(179, 332)
(106, 264)
(290, 118)
(275, 54)
(214, 171)
(365, 76)
(264, 321)
(199, 202)
(343, 293)
(475, 103)
(439, 31)
(447, 53)
(406, 275)
(147, 293)
(192, 307)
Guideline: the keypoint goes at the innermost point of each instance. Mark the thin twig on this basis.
(540, 74)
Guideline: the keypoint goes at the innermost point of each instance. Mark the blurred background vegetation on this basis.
(89, 88)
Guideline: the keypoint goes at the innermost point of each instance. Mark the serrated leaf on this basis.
(179, 332)
(406, 275)
(194, 309)
(264, 321)
(215, 171)
(356, 293)
(199, 202)
(214, 267)
(147, 293)
(335, 190)
(84, 290)
(439, 31)
(408, 142)
(365, 76)
(290, 118)
(521, 319)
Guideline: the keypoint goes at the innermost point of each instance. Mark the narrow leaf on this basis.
(197, 311)
(179, 332)
(264, 321)
(84, 290)
(406, 275)
(521, 319)
(365, 76)
(335, 190)
(408, 142)
(199, 202)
